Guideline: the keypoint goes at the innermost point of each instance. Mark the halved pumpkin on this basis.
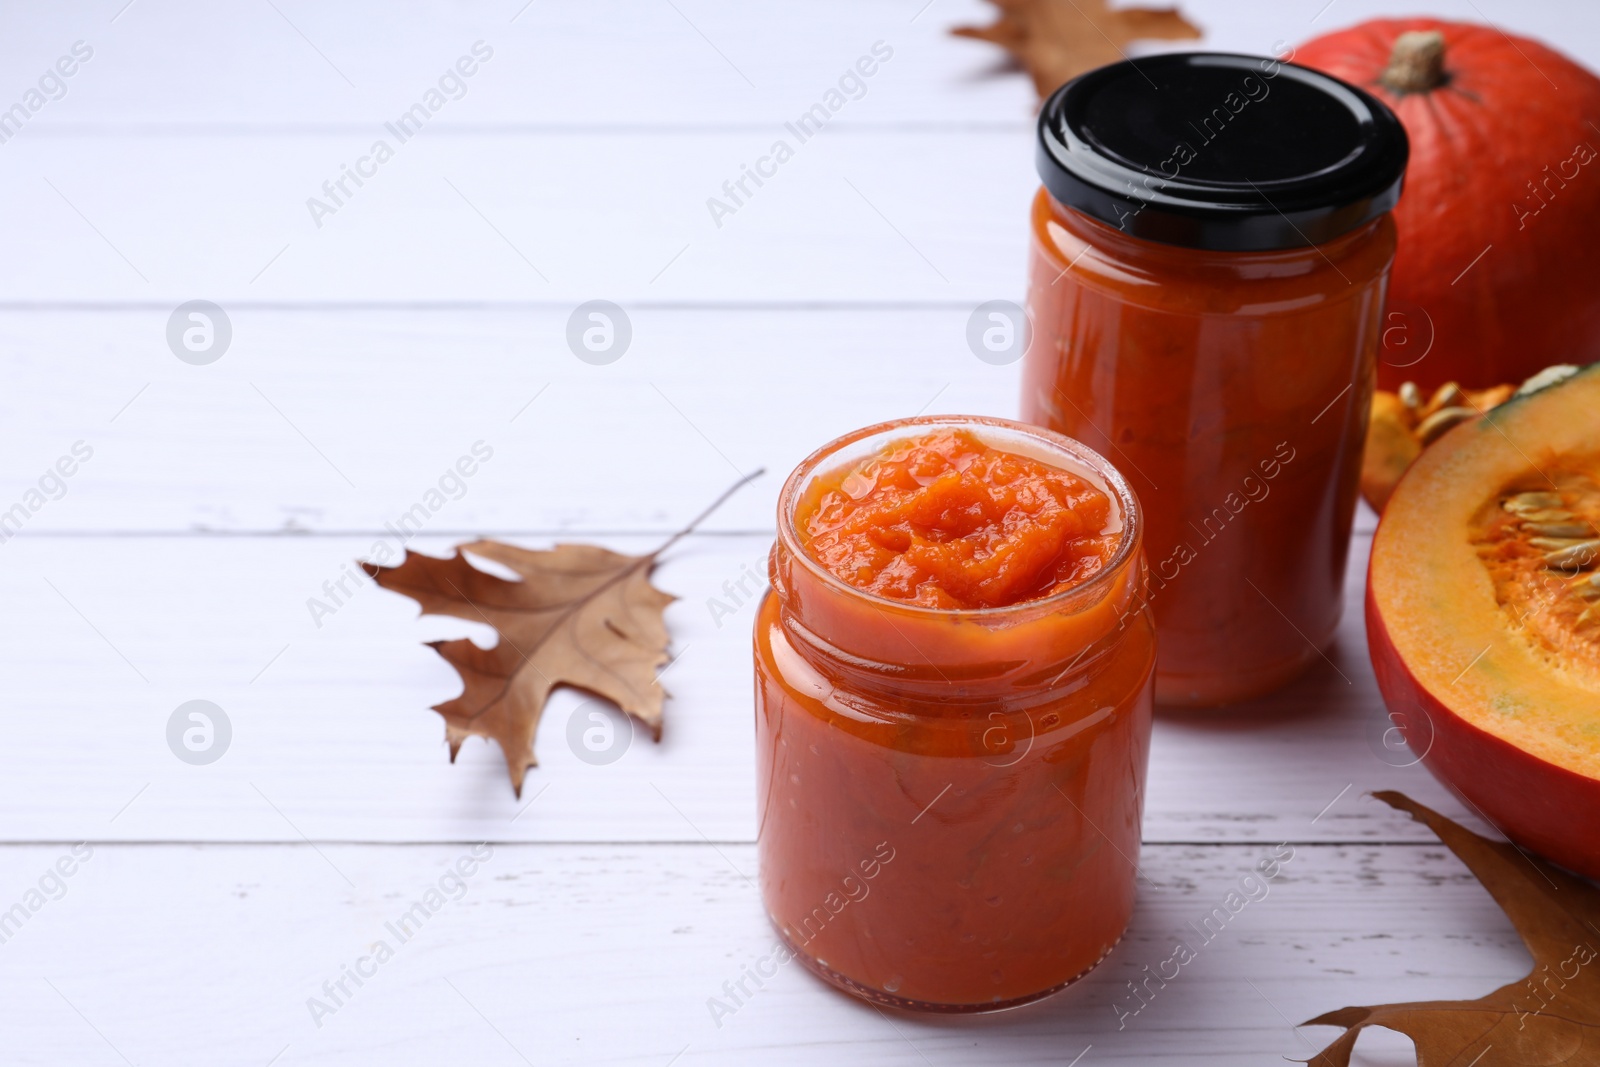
(1483, 616)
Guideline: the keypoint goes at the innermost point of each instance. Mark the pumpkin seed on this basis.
(1559, 529)
(1434, 426)
(1448, 395)
(1546, 515)
(1551, 543)
(1410, 395)
(1581, 554)
(1547, 377)
(1525, 502)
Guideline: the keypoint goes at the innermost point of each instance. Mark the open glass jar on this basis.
(1210, 252)
(950, 800)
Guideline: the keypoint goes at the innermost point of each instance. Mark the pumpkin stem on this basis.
(1416, 65)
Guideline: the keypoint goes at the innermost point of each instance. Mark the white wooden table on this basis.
(428, 312)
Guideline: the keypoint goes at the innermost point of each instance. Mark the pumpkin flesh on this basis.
(1483, 614)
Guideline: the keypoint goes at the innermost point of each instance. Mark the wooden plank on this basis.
(612, 955)
(582, 63)
(562, 217)
(315, 421)
(332, 737)
(343, 422)
(568, 201)
(574, 64)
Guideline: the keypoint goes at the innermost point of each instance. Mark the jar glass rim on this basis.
(1056, 446)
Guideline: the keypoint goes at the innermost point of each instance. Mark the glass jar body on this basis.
(950, 802)
(1233, 388)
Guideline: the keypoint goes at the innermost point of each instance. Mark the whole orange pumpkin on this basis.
(1498, 270)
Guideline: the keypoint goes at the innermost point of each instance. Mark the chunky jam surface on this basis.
(946, 521)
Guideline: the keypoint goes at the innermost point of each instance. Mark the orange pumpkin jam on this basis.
(949, 796)
(947, 521)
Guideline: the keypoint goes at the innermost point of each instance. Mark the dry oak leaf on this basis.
(1550, 1018)
(1056, 40)
(581, 615)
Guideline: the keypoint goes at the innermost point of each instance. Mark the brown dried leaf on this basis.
(581, 615)
(1056, 40)
(1550, 1018)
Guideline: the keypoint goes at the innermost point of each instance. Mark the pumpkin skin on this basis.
(1508, 723)
(1505, 155)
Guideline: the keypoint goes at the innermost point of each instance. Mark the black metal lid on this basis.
(1227, 152)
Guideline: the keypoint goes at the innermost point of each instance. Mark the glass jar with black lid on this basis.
(1210, 251)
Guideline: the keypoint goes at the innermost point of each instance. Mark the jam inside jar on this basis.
(1209, 259)
(950, 787)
